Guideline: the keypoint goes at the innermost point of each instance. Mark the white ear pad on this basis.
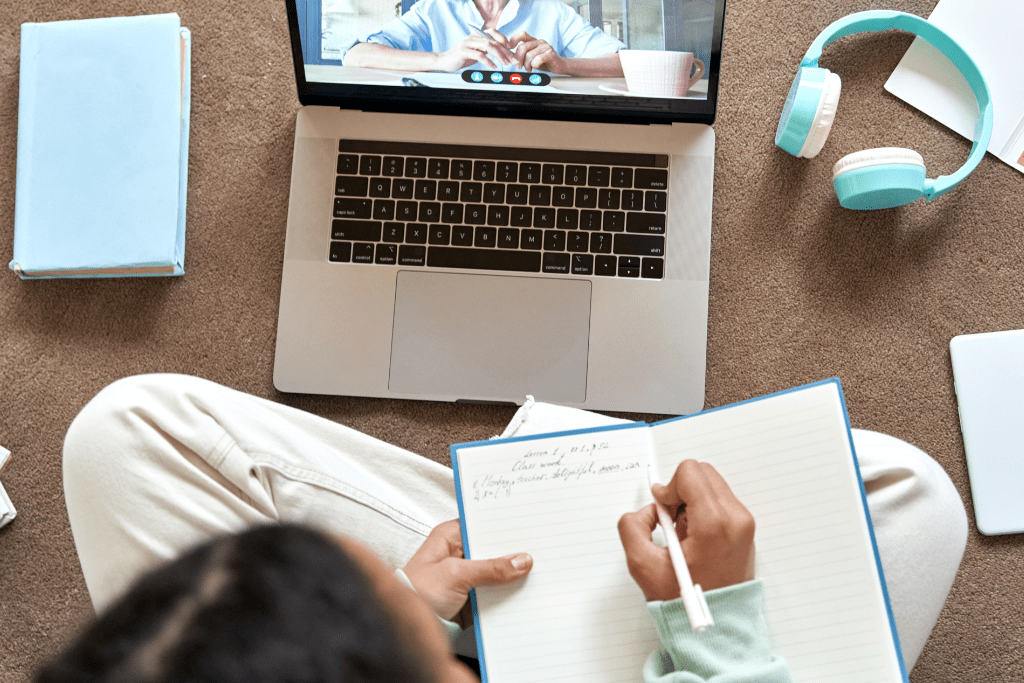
(824, 117)
(877, 157)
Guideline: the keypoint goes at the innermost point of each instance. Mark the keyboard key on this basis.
(426, 189)
(362, 253)
(483, 170)
(494, 193)
(563, 196)
(540, 195)
(393, 166)
(521, 216)
(567, 219)
(394, 232)
(650, 178)
(556, 263)
(532, 239)
(640, 245)
(440, 234)
(451, 213)
(646, 223)
(380, 187)
(582, 264)
(406, 211)
(613, 221)
(448, 191)
(416, 167)
(438, 168)
(605, 265)
(506, 172)
(577, 241)
(462, 169)
(622, 177)
(608, 199)
(633, 200)
(485, 237)
(508, 238)
(369, 164)
(601, 243)
(528, 173)
(409, 255)
(655, 201)
(543, 218)
(387, 254)
(384, 209)
(352, 208)
(402, 188)
(416, 233)
(598, 176)
(430, 212)
(348, 164)
(552, 174)
(497, 215)
(554, 240)
(629, 266)
(476, 214)
(471, 192)
(586, 198)
(498, 259)
(590, 219)
(575, 175)
(653, 268)
(462, 236)
(517, 194)
(341, 252)
(364, 231)
(351, 186)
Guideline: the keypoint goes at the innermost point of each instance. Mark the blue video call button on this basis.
(496, 77)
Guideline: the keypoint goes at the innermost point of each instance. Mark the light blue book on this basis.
(103, 121)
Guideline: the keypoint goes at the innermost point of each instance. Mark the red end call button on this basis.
(516, 78)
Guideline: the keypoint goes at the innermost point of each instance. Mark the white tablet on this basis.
(988, 375)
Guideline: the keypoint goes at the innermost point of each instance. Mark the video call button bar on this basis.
(426, 149)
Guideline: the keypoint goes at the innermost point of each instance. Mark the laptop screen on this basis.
(619, 60)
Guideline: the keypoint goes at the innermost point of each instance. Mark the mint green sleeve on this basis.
(734, 650)
(452, 629)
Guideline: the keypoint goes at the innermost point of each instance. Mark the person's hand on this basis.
(475, 48)
(535, 54)
(443, 578)
(716, 532)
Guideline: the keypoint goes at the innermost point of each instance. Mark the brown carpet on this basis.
(800, 290)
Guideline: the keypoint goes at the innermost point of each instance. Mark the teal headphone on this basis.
(888, 176)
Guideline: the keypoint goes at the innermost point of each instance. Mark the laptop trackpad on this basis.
(490, 337)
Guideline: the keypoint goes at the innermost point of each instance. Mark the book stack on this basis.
(7, 511)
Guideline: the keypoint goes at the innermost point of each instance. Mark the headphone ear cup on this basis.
(879, 178)
(824, 117)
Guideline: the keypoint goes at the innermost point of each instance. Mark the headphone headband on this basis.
(883, 20)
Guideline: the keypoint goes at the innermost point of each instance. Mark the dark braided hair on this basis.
(275, 604)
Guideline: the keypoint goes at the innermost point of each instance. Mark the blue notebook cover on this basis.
(886, 636)
(103, 123)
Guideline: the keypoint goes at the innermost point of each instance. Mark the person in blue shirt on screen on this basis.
(527, 35)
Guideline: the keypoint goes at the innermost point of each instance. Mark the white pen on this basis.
(693, 597)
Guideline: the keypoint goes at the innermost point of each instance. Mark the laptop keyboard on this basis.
(497, 208)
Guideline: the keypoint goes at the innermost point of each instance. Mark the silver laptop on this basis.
(522, 224)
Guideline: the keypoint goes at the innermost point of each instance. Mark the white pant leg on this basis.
(158, 463)
(918, 517)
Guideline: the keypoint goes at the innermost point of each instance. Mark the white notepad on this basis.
(579, 616)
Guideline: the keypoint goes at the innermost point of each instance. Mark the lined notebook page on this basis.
(788, 460)
(578, 615)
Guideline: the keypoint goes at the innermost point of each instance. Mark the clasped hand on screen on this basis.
(716, 532)
(520, 49)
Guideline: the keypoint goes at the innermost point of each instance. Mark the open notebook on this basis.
(578, 615)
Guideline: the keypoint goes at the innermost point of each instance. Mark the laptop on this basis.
(483, 231)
